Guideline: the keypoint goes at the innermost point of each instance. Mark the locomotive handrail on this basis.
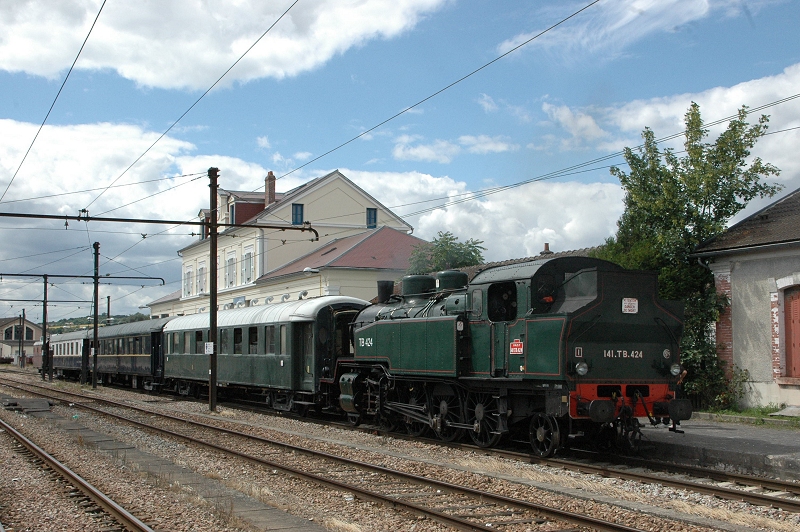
(664, 326)
(588, 326)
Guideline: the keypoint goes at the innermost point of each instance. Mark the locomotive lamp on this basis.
(581, 368)
(675, 370)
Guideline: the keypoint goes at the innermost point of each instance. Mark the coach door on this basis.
(303, 353)
(791, 310)
(156, 354)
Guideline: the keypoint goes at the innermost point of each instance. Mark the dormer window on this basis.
(297, 214)
(372, 218)
(232, 213)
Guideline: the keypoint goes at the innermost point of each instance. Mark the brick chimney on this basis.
(269, 189)
(546, 250)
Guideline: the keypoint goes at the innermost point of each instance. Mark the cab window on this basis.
(502, 300)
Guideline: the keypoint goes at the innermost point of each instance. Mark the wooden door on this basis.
(791, 313)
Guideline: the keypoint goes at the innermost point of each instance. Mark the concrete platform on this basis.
(768, 449)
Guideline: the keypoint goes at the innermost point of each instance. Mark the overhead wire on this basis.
(36, 198)
(54, 102)
(454, 83)
(197, 101)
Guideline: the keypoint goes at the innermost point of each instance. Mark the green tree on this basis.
(445, 252)
(674, 204)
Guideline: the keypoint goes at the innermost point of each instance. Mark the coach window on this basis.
(176, 343)
(199, 347)
(188, 345)
(146, 345)
(224, 341)
(283, 340)
(252, 340)
(269, 339)
(502, 298)
(237, 341)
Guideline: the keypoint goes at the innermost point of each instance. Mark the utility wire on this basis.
(101, 188)
(54, 102)
(196, 102)
(373, 128)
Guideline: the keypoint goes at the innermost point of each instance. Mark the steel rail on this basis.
(120, 514)
(758, 499)
(461, 524)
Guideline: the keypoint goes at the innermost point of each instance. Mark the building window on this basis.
(28, 333)
(230, 270)
(188, 279)
(201, 278)
(8, 333)
(247, 265)
(297, 214)
(372, 218)
(232, 213)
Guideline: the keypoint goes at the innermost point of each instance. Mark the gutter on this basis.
(754, 247)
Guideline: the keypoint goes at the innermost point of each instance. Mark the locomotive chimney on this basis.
(385, 291)
(546, 250)
(269, 189)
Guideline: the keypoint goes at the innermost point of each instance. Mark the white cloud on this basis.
(67, 159)
(581, 126)
(156, 45)
(440, 151)
(483, 144)
(263, 142)
(514, 223)
(408, 147)
(610, 27)
(487, 103)
(302, 155)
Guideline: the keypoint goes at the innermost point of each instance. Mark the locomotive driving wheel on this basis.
(416, 396)
(448, 406)
(483, 412)
(545, 435)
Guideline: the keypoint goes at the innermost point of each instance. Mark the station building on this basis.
(360, 242)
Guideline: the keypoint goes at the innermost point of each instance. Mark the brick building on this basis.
(756, 263)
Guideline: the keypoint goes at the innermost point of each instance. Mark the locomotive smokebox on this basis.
(385, 291)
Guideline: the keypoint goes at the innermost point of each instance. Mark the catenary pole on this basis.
(95, 347)
(46, 362)
(213, 175)
(22, 339)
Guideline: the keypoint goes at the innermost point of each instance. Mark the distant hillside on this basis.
(77, 324)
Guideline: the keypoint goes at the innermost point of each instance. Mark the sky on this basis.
(431, 104)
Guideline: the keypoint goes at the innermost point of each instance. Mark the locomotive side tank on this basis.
(548, 348)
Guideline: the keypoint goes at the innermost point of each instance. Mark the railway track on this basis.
(457, 506)
(114, 517)
(754, 490)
